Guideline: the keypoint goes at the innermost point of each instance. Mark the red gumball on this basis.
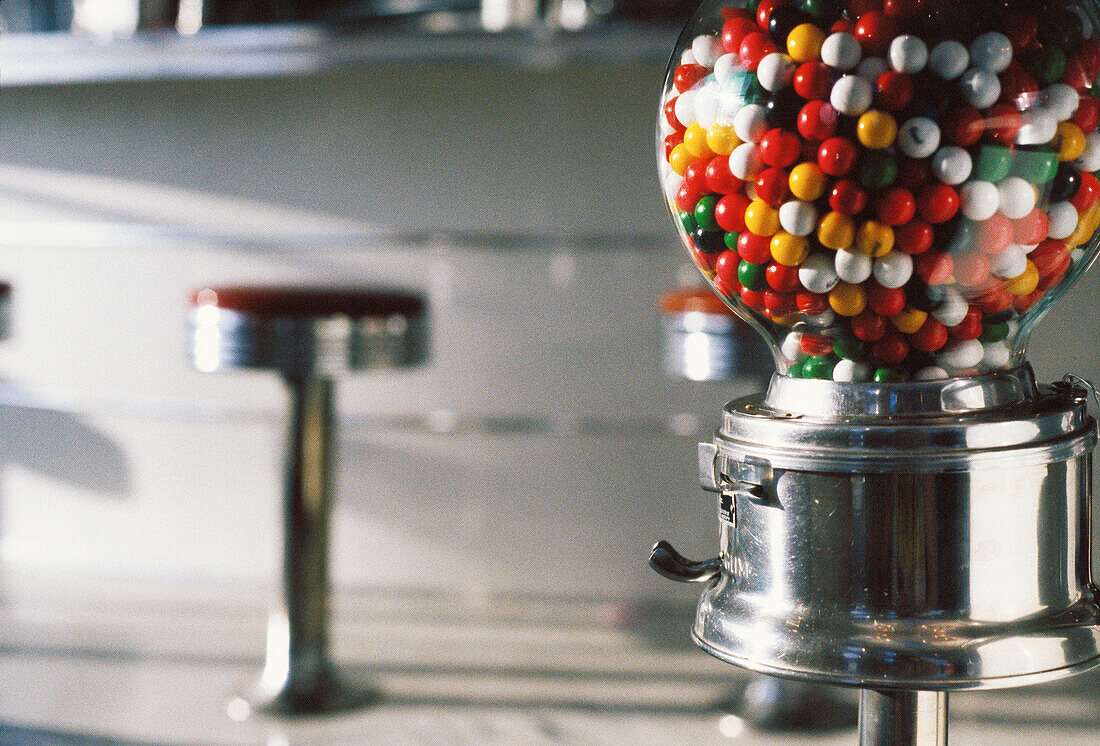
(934, 267)
(868, 326)
(686, 198)
(726, 264)
(837, 156)
(896, 206)
(752, 298)
(1003, 123)
(772, 186)
(670, 117)
(891, 349)
(972, 269)
(1087, 116)
(755, 47)
(970, 327)
(874, 31)
(930, 337)
(754, 249)
(778, 305)
(1088, 193)
(695, 176)
(994, 299)
(734, 30)
(781, 278)
(893, 91)
(1031, 228)
(915, 237)
(671, 141)
(720, 179)
(729, 213)
(847, 197)
(816, 344)
(811, 304)
(779, 148)
(817, 120)
(764, 11)
(813, 80)
(1018, 87)
(995, 234)
(686, 76)
(938, 203)
(885, 301)
(726, 288)
(963, 126)
(1050, 258)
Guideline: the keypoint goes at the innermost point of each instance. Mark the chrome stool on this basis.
(307, 335)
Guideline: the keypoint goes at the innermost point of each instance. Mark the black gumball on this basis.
(1065, 183)
(781, 109)
(783, 20)
(709, 242)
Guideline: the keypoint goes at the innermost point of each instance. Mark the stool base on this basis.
(328, 692)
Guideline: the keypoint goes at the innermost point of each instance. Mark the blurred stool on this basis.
(5, 310)
(307, 336)
(703, 340)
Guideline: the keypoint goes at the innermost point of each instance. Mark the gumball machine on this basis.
(893, 193)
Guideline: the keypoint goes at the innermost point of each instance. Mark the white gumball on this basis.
(706, 49)
(745, 161)
(852, 95)
(1009, 263)
(1089, 160)
(1038, 127)
(841, 51)
(822, 320)
(953, 309)
(818, 273)
(996, 356)
(687, 57)
(908, 54)
(1017, 197)
(791, 347)
(1062, 219)
(991, 51)
(872, 68)
(775, 71)
(930, 373)
(853, 266)
(750, 124)
(961, 353)
(919, 137)
(725, 69)
(980, 200)
(797, 217)
(849, 370)
(684, 108)
(1060, 100)
(952, 164)
(948, 59)
(980, 87)
(893, 270)
(707, 103)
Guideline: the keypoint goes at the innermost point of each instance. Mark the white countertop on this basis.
(94, 660)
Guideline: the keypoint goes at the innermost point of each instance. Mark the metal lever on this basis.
(674, 566)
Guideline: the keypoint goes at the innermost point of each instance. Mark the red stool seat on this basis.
(312, 302)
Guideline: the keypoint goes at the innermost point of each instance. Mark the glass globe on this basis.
(886, 190)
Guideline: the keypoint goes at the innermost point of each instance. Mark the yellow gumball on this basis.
(721, 139)
(1026, 282)
(695, 140)
(1070, 141)
(874, 239)
(836, 231)
(909, 320)
(847, 299)
(876, 130)
(761, 218)
(789, 250)
(680, 158)
(807, 181)
(804, 42)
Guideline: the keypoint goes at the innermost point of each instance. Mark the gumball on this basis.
(775, 71)
(1069, 141)
(813, 80)
(817, 120)
(1022, 29)
(909, 320)
(851, 95)
(994, 163)
(1046, 63)
(930, 373)
(754, 48)
(1089, 160)
(937, 203)
(890, 350)
(1088, 194)
(708, 241)
(779, 148)
(907, 54)
(1009, 263)
(993, 299)
(669, 110)
(771, 186)
(781, 278)
(745, 161)
(893, 91)
(995, 233)
(816, 344)
(951, 164)
(1018, 86)
(874, 31)
(686, 198)
(753, 248)
(686, 76)
(970, 327)
(868, 326)
(963, 126)
(1050, 257)
(925, 297)
(726, 265)
(872, 68)
(798, 217)
(1003, 123)
(1037, 127)
(706, 50)
(853, 266)
(850, 370)
(804, 42)
(719, 179)
(1017, 197)
(847, 299)
(781, 20)
(752, 276)
(885, 301)
(948, 59)
(722, 139)
(847, 197)
(953, 309)
(1062, 217)
(979, 199)
(729, 212)
(837, 156)
(934, 267)
(749, 123)
(972, 269)
(893, 270)
(1087, 115)
(836, 231)
(919, 137)
(761, 218)
(878, 170)
(991, 51)
(789, 249)
(841, 51)
(1024, 283)
(980, 87)
(806, 181)
(931, 336)
(874, 239)
(779, 305)
(781, 109)
(915, 237)
(876, 129)
(1031, 228)
(818, 274)
(726, 69)
(896, 206)
(1060, 100)
(734, 30)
